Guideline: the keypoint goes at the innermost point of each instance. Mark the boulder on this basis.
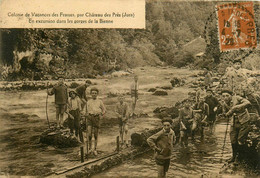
(113, 92)
(152, 90)
(160, 93)
(166, 87)
(119, 74)
(58, 138)
(176, 82)
(162, 112)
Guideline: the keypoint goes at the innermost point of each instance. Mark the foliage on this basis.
(85, 52)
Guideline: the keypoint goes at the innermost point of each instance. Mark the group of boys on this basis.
(191, 118)
(83, 112)
(77, 106)
(195, 117)
(238, 104)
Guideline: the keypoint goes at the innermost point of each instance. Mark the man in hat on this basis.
(134, 94)
(213, 104)
(74, 106)
(95, 111)
(235, 107)
(162, 144)
(60, 92)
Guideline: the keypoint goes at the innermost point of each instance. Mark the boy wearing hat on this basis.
(235, 107)
(60, 92)
(162, 144)
(74, 106)
(95, 111)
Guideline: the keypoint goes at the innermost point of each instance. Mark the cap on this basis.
(226, 91)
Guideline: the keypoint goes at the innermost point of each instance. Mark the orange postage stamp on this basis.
(236, 26)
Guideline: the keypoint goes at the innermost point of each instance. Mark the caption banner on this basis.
(72, 14)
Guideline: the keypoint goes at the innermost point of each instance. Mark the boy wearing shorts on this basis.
(95, 111)
(162, 143)
(60, 92)
(122, 115)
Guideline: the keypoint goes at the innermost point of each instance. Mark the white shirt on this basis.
(95, 107)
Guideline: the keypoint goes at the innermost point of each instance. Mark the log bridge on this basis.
(94, 166)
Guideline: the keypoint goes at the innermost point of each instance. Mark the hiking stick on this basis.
(224, 140)
(47, 105)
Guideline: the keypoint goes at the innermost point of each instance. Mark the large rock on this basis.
(120, 73)
(58, 138)
(166, 87)
(152, 90)
(176, 82)
(162, 112)
(160, 93)
(113, 92)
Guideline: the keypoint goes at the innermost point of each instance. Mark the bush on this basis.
(182, 59)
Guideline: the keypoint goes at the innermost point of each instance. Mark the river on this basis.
(23, 119)
(199, 159)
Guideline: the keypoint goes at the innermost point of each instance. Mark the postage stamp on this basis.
(236, 26)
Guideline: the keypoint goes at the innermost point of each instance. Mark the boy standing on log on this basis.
(122, 115)
(162, 143)
(95, 112)
(60, 91)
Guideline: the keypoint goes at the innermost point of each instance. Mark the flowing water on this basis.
(197, 160)
(22, 120)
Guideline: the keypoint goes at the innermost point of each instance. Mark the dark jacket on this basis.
(212, 102)
(61, 93)
(81, 91)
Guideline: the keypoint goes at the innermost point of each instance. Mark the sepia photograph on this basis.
(179, 98)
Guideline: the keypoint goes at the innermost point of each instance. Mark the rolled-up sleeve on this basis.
(152, 140)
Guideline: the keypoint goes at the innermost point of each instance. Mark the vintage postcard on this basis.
(120, 88)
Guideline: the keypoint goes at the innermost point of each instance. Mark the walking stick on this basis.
(224, 140)
(47, 105)
(87, 135)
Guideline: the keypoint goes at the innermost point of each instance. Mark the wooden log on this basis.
(117, 144)
(82, 154)
(84, 164)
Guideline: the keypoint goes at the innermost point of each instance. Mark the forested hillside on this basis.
(87, 52)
